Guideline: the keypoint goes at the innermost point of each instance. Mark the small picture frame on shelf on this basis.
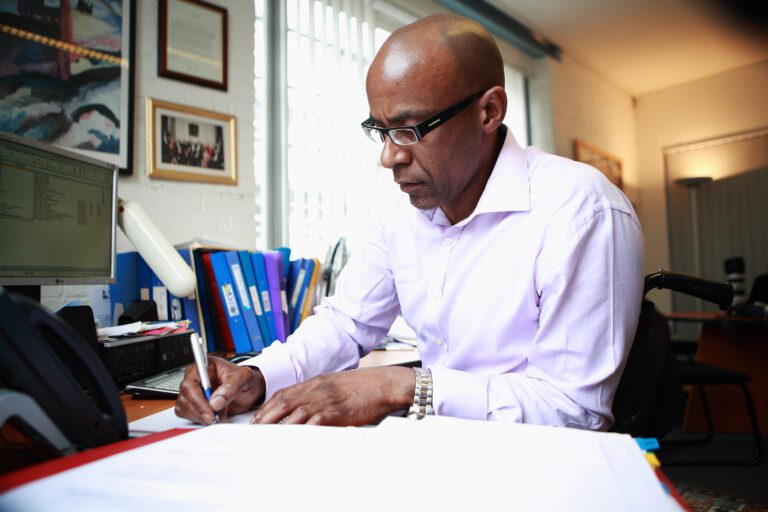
(192, 42)
(190, 144)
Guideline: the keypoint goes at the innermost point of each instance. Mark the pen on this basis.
(202, 369)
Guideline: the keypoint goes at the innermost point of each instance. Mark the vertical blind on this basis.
(332, 172)
(334, 177)
(259, 122)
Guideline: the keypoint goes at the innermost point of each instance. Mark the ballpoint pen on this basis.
(202, 369)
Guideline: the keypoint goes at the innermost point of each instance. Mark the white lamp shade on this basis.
(159, 254)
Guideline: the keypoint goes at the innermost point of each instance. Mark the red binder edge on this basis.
(218, 313)
(51, 467)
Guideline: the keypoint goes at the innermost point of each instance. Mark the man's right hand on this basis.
(236, 389)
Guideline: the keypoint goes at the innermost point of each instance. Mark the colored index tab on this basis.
(652, 459)
(647, 444)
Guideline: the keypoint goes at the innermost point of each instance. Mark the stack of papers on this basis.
(453, 465)
(147, 328)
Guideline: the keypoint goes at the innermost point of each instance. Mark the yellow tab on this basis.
(652, 459)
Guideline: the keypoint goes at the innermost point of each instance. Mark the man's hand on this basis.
(236, 389)
(354, 397)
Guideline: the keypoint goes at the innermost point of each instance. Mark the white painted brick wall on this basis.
(586, 106)
(183, 211)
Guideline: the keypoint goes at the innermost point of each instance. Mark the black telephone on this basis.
(45, 359)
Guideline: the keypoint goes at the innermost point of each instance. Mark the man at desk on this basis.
(520, 271)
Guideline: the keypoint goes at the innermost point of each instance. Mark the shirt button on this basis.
(447, 242)
(435, 295)
(438, 342)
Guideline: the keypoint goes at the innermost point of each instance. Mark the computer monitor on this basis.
(57, 215)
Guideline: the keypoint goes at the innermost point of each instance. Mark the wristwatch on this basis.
(422, 395)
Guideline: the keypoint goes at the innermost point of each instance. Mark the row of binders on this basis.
(245, 300)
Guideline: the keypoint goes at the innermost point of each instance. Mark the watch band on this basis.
(422, 395)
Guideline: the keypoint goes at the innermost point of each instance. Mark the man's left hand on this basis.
(353, 397)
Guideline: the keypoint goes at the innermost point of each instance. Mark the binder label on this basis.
(160, 296)
(285, 301)
(237, 273)
(297, 287)
(229, 298)
(255, 299)
(265, 300)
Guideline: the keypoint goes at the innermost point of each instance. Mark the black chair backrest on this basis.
(649, 391)
(636, 396)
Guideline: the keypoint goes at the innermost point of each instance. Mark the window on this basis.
(259, 122)
(332, 173)
(334, 178)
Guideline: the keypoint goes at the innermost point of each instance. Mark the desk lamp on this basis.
(159, 254)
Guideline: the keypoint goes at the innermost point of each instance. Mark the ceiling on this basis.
(643, 46)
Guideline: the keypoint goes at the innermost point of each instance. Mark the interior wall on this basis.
(585, 106)
(715, 106)
(182, 210)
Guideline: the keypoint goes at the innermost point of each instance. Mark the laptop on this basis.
(166, 384)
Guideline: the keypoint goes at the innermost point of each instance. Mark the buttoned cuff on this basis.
(275, 365)
(459, 394)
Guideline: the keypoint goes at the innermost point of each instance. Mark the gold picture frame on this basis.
(190, 144)
(604, 162)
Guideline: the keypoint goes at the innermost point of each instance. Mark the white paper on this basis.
(119, 330)
(454, 465)
(401, 331)
(167, 419)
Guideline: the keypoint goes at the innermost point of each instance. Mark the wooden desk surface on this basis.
(135, 409)
(736, 343)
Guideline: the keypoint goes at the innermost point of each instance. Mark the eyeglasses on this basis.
(407, 135)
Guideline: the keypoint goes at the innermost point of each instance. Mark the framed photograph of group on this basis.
(189, 144)
(600, 160)
(192, 38)
(66, 76)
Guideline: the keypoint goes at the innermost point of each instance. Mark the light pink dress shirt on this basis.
(525, 311)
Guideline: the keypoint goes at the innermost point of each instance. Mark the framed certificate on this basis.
(193, 42)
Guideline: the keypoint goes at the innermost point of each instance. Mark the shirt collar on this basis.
(507, 189)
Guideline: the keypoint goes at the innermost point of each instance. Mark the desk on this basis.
(137, 409)
(738, 343)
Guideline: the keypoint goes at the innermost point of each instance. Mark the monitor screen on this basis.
(57, 215)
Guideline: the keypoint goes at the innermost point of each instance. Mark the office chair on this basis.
(649, 396)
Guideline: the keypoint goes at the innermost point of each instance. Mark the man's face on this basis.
(435, 171)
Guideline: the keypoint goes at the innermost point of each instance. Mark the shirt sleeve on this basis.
(589, 287)
(344, 327)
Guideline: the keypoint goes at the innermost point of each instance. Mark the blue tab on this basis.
(647, 444)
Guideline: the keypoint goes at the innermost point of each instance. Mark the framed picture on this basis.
(66, 76)
(602, 161)
(189, 144)
(193, 42)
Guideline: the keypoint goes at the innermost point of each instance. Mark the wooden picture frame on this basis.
(190, 144)
(604, 162)
(192, 42)
(67, 77)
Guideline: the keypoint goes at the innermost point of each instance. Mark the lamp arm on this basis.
(156, 250)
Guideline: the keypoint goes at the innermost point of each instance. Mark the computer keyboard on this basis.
(162, 384)
(167, 384)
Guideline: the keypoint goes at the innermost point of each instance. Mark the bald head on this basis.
(441, 52)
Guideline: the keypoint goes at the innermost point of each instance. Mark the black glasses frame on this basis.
(421, 129)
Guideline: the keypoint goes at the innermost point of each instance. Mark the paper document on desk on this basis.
(402, 332)
(167, 419)
(532, 467)
(463, 465)
(222, 467)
